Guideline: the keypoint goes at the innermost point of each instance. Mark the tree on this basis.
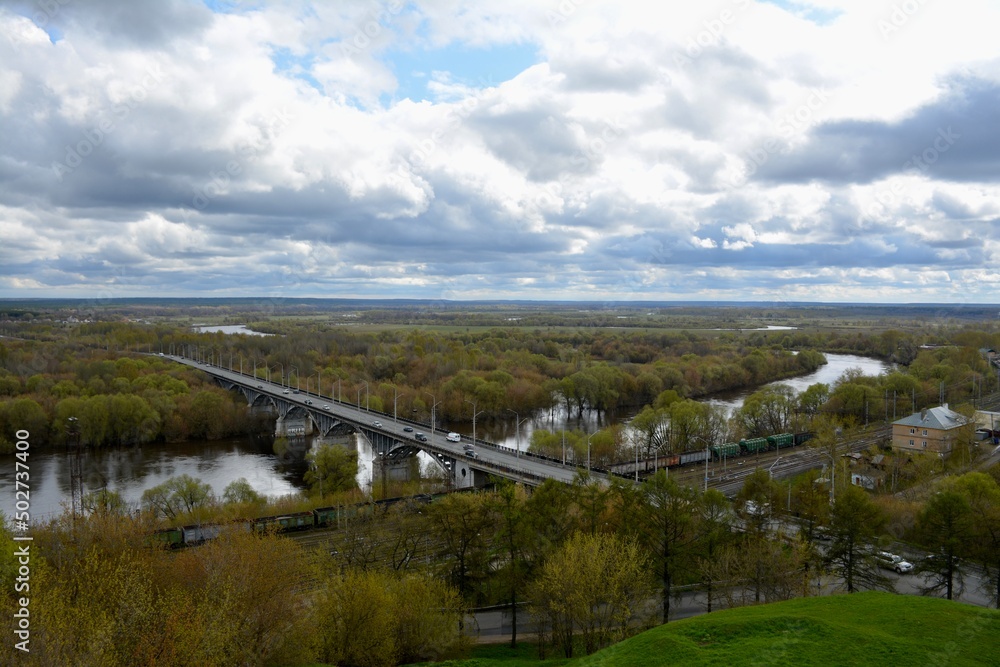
(461, 524)
(983, 495)
(105, 501)
(666, 518)
(715, 522)
(177, 495)
(332, 468)
(594, 585)
(239, 491)
(511, 544)
(945, 526)
(855, 522)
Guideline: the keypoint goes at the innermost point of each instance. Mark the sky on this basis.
(822, 150)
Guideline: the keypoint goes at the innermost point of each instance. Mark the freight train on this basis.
(714, 452)
(322, 517)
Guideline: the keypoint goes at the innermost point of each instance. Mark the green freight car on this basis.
(781, 440)
(727, 450)
(754, 445)
(170, 538)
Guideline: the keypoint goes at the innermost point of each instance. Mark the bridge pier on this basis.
(293, 425)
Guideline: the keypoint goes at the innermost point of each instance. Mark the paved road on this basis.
(489, 457)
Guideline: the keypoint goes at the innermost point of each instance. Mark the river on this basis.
(133, 470)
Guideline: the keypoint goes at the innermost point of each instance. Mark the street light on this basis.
(474, 415)
(588, 450)
(434, 404)
(770, 470)
(517, 433)
(395, 397)
(707, 455)
(296, 376)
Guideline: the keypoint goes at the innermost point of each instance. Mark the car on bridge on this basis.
(377, 424)
(408, 429)
(420, 436)
(453, 437)
(326, 407)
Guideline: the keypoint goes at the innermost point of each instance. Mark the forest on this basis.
(591, 563)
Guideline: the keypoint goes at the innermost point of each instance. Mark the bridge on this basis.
(395, 439)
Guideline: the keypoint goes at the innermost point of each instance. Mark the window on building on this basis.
(912, 431)
(911, 443)
(924, 443)
(925, 432)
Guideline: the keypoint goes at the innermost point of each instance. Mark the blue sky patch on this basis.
(476, 68)
(808, 12)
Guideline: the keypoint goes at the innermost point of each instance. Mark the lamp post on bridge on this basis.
(434, 404)
(588, 450)
(395, 397)
(474, 415)
(517, 432)
(365, 383)
(296, 376)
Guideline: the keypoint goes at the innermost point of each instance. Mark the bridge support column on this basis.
(293, 426)
(464, 477)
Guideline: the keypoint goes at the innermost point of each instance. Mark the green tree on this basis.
(855, 522)
(240, 491)
(332, 468)
(667, 518)
(595, 585)
(946, 527)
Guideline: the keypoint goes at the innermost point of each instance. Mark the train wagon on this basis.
(198, 533)
(781, 440)
(694, 457)
(285, 522)
(170, 538)
(754, 445)
(802, 437)
(726, 450)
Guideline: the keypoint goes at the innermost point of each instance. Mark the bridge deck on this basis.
(490, 458)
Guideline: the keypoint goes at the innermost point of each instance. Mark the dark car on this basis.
(408, 429)
(420, 436)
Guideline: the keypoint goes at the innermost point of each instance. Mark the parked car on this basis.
(891, 561)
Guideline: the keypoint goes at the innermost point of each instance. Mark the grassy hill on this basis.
(879, 629)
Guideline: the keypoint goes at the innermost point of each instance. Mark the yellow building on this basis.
(930, 430)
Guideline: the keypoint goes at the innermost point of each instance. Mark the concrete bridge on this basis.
(395, 439)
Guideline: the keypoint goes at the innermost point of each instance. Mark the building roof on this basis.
(941, 418)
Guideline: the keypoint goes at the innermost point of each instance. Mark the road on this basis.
(489, 457)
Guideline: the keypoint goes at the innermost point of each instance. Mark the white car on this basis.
(891, 561)
(454, 437)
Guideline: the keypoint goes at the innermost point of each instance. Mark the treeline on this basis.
(63, 393)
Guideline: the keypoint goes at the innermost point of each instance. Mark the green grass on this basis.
(878, 629)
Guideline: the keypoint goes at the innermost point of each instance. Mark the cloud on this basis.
(649, 152)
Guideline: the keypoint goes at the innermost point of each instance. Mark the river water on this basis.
(217, 463)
